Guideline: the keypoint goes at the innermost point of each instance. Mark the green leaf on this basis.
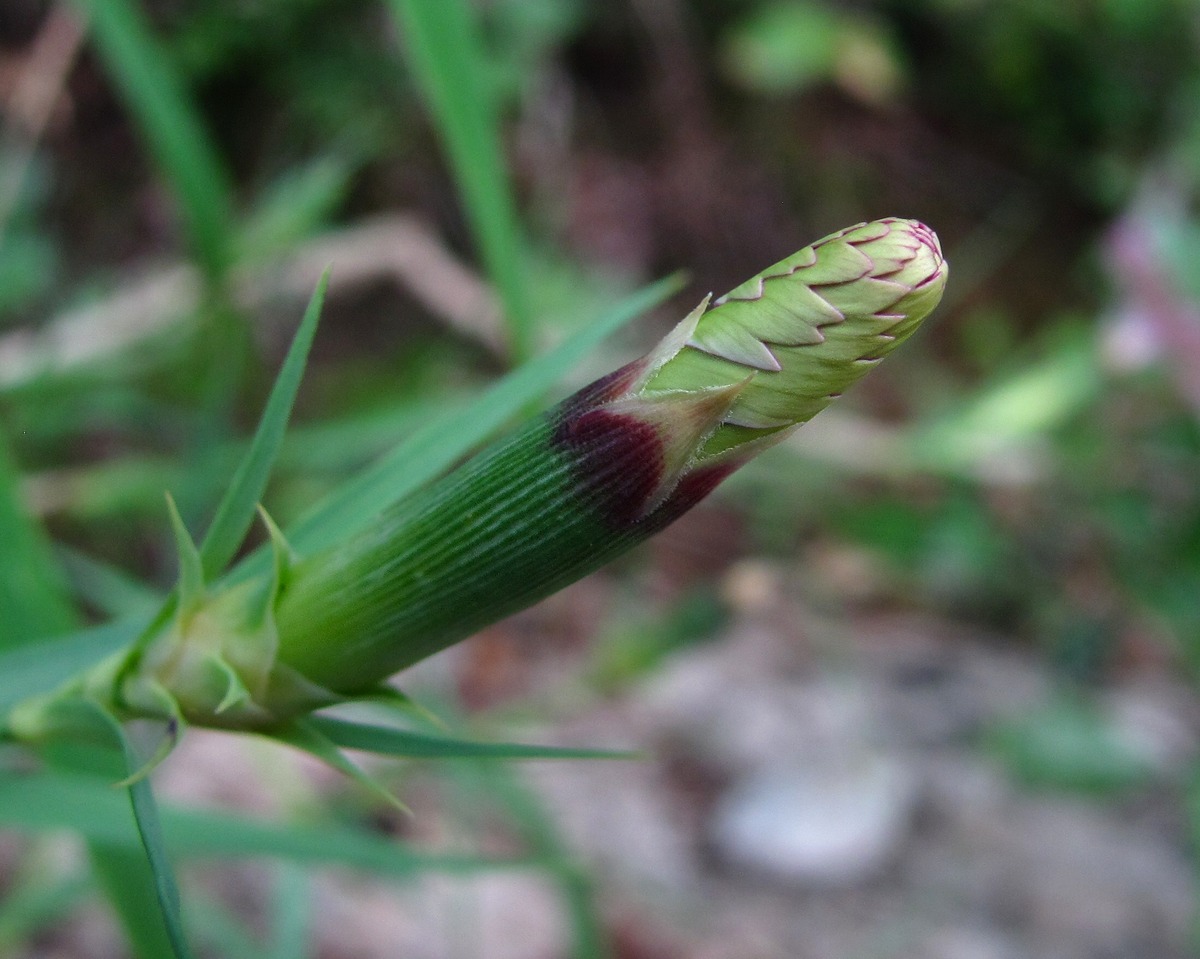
(1069, 743)
(237, 508)
(51, 801)
(38, 669)
(34, 601)
(149, 831)
(139, 881)
(294, 206)
(121, 871)
(304, 735)
(400, 705)
(447, 55)
(390, 741)
(155, 94)
(104, 586)
(1007, 415)
(221, 932)
(190, 588)
(291, 914)
(434, 449)
(145, 815)
(29, 908)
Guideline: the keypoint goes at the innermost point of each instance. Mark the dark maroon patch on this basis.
(617, 461)
(691, 490)
(603, 390)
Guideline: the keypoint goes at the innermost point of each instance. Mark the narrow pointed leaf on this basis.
(447, 55)
(51, 801)
(104, 586)
(402, 706)
(121, 859)
(282, 554)
(237, 508)
(149, 830)
(291, 914)
(145, 814)
(34, 601)
(307, 736)
(28, 908)
(122, 874)
(155, 94)
(190, 588)
(235, 690)
(32, 670)
(389, 741)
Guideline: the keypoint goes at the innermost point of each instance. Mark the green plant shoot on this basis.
(562, 495)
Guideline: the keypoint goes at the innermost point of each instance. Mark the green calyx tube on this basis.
(614, 463)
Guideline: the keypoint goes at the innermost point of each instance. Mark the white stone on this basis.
(836, 824)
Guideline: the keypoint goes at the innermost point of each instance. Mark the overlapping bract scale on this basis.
(813, 323)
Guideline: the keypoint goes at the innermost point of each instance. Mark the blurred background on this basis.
(921, 683)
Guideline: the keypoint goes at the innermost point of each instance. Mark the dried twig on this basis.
(31, 103)
(395, 246)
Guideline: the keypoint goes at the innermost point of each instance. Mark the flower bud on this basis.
(565, 493)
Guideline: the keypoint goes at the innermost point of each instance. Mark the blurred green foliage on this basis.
(1082, 93)
(1069, 744)
(28, 257)
(785, 48)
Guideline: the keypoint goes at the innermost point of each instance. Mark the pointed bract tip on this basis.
(191, 566)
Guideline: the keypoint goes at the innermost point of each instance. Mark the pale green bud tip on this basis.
(806, 328)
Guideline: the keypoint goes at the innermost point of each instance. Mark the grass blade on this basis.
(120, 870)
(156, 96)
(130, 862)
(50, 801)
(291, 914)
(447, 56)
(28, 908)
(236, 510)
(166, 889)
(31, 670)
(389, 741)
(221, 932)
(34, 601)
(145, 817)
(303, 735)
(293, 207)
(538, 832)
(104, 586)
